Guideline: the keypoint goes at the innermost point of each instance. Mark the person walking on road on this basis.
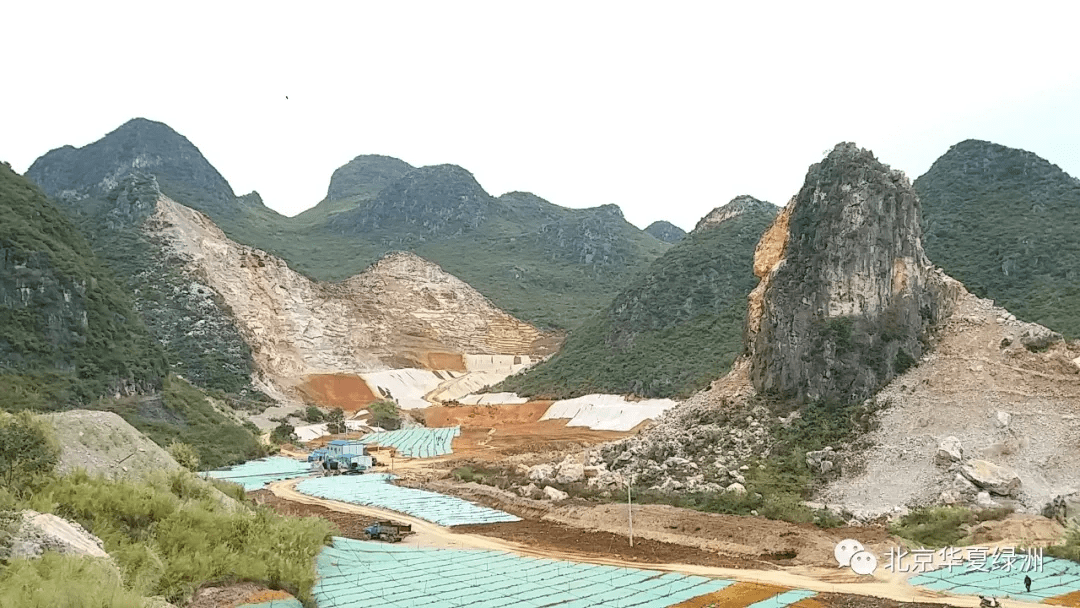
(1027, 583)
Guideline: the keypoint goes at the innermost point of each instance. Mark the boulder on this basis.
(949, 451)
(555, 494)
(1003, 420)
(541, 472)
(993, 478)
(982, 499)
(821, 461)
(528, 491)
(41, 532)
(1039, 338)
(737, 488)
(569, 472)
(1064, 508)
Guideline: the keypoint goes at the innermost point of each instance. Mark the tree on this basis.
(335, 421)
(385, 414)
(27, 449)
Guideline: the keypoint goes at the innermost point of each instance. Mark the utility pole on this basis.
(630, 508)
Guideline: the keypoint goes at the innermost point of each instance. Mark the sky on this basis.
(665, 109)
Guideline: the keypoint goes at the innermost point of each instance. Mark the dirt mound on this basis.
(346, 391)
(485, 416)
(1004, 403)
(103, 443)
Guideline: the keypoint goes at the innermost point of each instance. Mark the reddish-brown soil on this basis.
(845, 600)
(546, 535)
(517, 430)
(349, 525)
(1071, 599)
(739, 594)
(237, 594)
(454, 362)
(346, 391)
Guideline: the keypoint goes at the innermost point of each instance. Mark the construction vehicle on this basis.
(387, 531)
(342, 465)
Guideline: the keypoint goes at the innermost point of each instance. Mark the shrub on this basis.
(313, 415)
(283, 433)
(27, 450)
(935, 526)
(1070, 549)
(185, 455)
(169, 536)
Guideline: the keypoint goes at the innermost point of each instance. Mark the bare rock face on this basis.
(993, 478)
(847, 296)
(41, 532)
(400, 312)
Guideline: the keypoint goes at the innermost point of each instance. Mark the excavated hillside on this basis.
(985, 411)
(401, 312)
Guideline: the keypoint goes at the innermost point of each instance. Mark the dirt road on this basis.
(885, 585)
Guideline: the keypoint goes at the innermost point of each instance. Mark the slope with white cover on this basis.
(608, 412)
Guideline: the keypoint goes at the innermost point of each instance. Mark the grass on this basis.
(937, 527)
(169, 536)
(63, 580)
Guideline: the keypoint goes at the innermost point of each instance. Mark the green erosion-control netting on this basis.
(254, 474)
(417, 443)
(1056, 577)
(358, 574)
(375, 490)
(289, 603)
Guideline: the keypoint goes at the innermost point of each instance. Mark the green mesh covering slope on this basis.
(357, 574)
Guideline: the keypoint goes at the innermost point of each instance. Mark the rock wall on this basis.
(848, 298)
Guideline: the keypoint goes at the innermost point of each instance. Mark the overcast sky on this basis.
(667, 110)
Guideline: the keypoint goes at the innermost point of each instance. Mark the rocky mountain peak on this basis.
(427, 201)
(365, 175)
(666, 231)
(736, 206)
(71, 174)
(847, 297)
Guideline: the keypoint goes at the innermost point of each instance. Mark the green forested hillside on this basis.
(68, 332)
(1006, 223)
(71, 337)
(675, 328)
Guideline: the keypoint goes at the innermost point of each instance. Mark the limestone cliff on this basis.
(848, 297)
(401, 312)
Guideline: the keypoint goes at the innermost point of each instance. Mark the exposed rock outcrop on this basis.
(37, 533)
(850, 299)
(737, 206)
